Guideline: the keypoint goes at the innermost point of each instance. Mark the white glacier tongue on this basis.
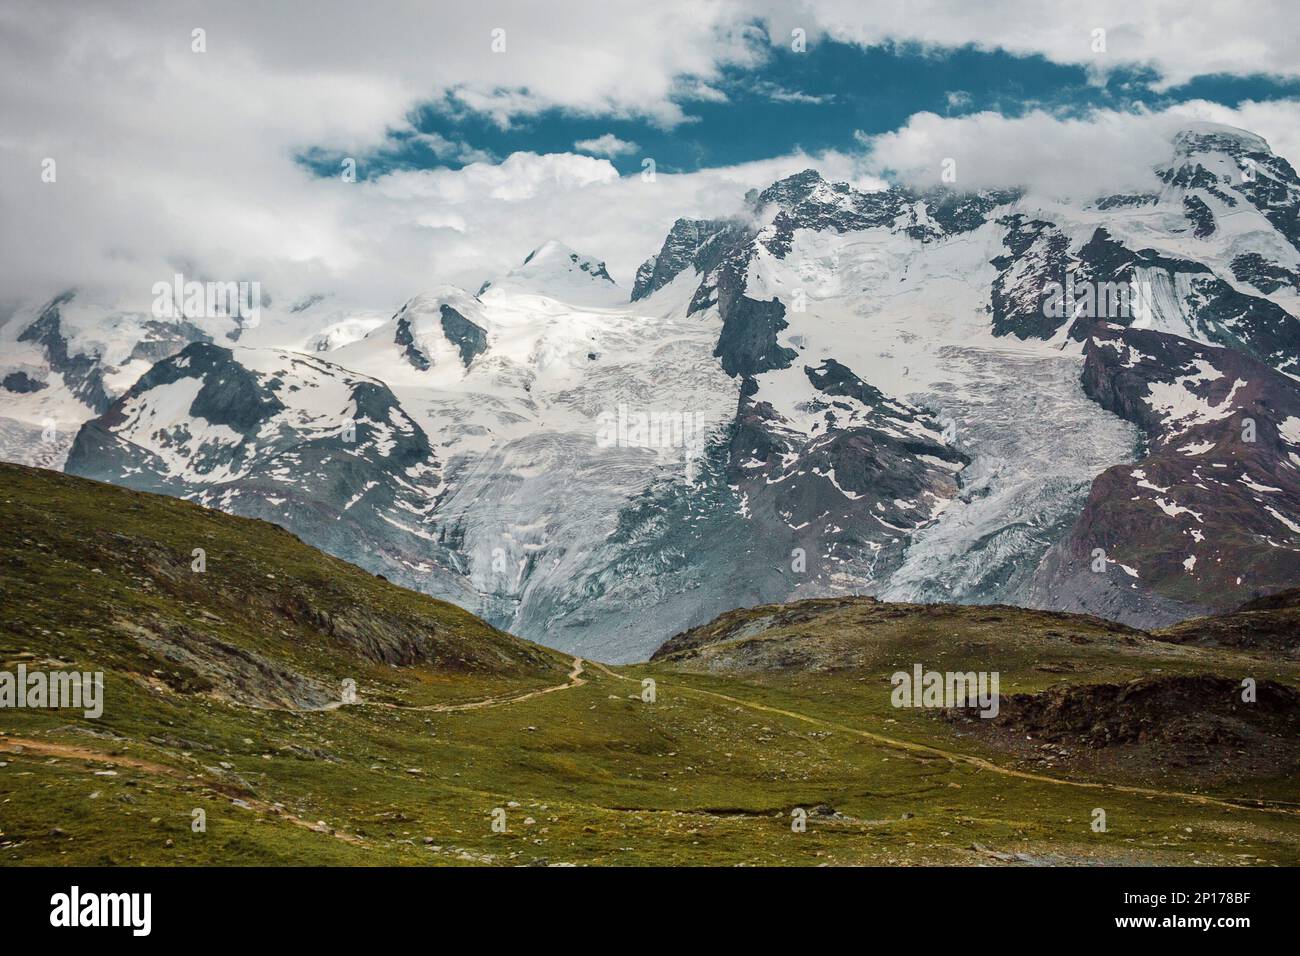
(541, 450)
(911, 319)
(1036, 442)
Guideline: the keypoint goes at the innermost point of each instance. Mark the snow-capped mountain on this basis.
(556, 271)
(919, 395)
(287, 437)
(66, 360)
(1210, 509)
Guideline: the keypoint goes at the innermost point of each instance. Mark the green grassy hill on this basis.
(222, 693)
(107, 578)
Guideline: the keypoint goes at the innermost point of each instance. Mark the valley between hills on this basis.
(223, 694)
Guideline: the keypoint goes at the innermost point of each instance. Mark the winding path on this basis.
(983, 764)
(575, 679)
(47, 748)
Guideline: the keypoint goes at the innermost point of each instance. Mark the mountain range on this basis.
(916, 395)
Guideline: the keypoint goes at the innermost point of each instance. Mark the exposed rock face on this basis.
(1187, 297)
(1127, 201)
(806, 201)
(1158, 711)
(469, 339)
(1038, 253)
(1194, 726)
(1199, 215)
(81, 372)
(1264, 274)
(691, 243)
(1207, 517)
(283, 437)
(404, 337)
(1267, 181)
(748, 343)
(850, 490)
(434, 326)
(22, 383)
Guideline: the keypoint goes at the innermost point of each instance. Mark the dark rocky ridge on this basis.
(1201, 467)
(82, 373)
(1200, 216)
(1265, 275)
(22, 383)
(690, 243)
(1217, 311)
(1038, 254)
(1186, 726)
(352, 495)
(470, 339)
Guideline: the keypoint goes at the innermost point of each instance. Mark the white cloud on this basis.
(169, 159)
(1179, 40)
(491, 217)
(1080, 157)
(780, 94)
(606, 145)
(447, 149)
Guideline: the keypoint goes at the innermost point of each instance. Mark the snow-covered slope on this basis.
(286, 437)
(841, 392)
(557, 272)
(64, 361)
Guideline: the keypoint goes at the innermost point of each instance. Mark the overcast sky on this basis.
(225, 163)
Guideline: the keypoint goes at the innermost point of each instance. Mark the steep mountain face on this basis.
(434, 328)
(923, 396)
(67, 361)
(965, 306)
(696, 244)
(1186, 298)
(1207, 518)
(285, 437)
(1210, 158)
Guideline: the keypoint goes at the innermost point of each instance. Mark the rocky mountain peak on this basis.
(1215, 137)
(699, 243)
(432, 323)
(792, 190)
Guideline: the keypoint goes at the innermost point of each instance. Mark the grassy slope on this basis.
(101, 575)
(598, 775)
(1270, 624)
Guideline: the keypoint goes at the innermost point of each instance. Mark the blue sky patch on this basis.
(812, 101)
